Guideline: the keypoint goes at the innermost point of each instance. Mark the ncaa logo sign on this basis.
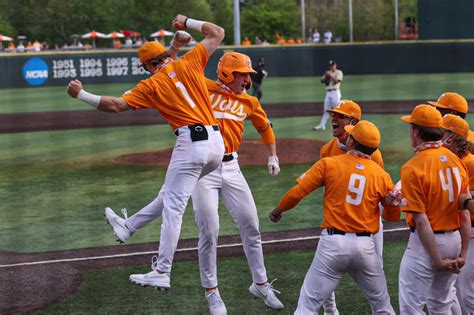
(35, 71)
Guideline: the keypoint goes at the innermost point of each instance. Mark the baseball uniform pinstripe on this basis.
(431, 181)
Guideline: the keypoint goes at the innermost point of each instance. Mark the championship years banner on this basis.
(57, 69)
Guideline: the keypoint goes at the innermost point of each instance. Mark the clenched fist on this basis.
(74, 87)
(178, 22)
(181, 39)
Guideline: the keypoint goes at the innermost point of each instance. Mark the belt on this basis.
(215, 127)
(339, 232)
(228, 157)
(413, 229)
(330, 90)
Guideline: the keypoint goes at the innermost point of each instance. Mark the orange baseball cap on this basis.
(456, 124)
(451, 100)
(365, 133)
(470, 136)
(150, 50)
(426, 116)
(347, 108)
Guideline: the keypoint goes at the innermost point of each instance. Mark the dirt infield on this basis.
(42, 121)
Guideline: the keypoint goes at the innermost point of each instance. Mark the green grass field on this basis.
(276, 90)
(110, 291)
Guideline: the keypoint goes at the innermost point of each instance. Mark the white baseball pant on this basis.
(189, 161)
(336, 255)
(465, 281)
(420, 283)
(228, 184)
(330, 101)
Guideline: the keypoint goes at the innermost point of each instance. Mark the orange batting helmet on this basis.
(233, 62)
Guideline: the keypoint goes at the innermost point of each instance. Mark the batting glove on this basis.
(273, 166)
(180, 39)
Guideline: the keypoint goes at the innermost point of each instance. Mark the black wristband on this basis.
(464, 204)
(185, 22)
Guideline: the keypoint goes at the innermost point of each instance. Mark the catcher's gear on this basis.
(233, 62)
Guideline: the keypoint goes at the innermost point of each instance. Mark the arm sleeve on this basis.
(260, 121)
(413, 198)
(292, 198)
(314, 177)
(141, 96)
(197, 57)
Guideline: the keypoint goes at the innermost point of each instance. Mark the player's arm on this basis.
(465, 231)
(180, 39)
(289, 200)
(103, 103)
(213, 34)
(427, 238)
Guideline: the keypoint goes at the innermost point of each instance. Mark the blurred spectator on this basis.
(20, 47)
(265, 43)
(327, 37)
(291, 41)
(299, 40)
(246, 42)
(316, 37)
(117, 43)
(11, 47)
(128, 42)
(410, 25)
(280, 39)
(36, 46)
(257, 40)
(29, 47)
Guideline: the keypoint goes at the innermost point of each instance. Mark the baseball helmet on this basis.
(347, 108)
(453, 101)
(150, 50)
(233, 62)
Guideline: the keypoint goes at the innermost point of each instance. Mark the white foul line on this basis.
(188, 249)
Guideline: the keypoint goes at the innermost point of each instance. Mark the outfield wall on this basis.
(53, 69)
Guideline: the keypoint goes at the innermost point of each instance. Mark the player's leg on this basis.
(238, 199)
(415, 277)
(466, 281)
(325, 117)
(205, 199)
(440, 296)
(326, 271)
(367, 272)
(378, 237)
(147, 214)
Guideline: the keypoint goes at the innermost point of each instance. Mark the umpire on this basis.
(257, 78)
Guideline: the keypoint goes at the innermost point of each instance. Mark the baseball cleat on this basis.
(267, 294)
(154, 279)
(216, 304)
(318, 127)
(121, 232)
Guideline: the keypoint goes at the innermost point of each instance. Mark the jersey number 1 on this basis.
(356, 186)
(447, 181)
(188, 98)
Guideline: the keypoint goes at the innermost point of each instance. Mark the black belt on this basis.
(215, 127)
(336, 231)
(330, 90)
(413, 229)
(228, 157)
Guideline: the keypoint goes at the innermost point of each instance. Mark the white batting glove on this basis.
(273, 166)
(181, 39)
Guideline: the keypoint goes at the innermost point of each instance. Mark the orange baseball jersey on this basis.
(468, 161)
(352, 192)
(230, 111)
(178, 91)
(432, 181)
(332, 148)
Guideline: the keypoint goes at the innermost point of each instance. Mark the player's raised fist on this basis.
(181, 39)
(178, 22)
(74, 87)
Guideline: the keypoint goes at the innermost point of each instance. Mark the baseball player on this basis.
(231, 106)
(455, 139)
(451, 103)
(346, 113)
(332, 79)
(178, 91)
(432, 181)
(350, 217)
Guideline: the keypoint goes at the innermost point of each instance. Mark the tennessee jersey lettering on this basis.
(178, 91)
(432, 181)
(230, 111)
(352, 192)
(332, 148)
